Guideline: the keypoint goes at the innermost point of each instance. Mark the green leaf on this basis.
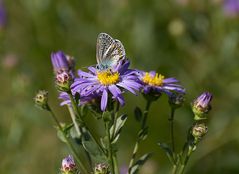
(74, 134)
(143, 133)
(139, 163)
(115, 131)
(168, 151)
(138, 114)
(94, 150)
(61, 136)
(66, 131)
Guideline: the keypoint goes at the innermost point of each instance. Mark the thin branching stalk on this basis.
(139, 139)
(114, 155)
(71, 147)
(171, 120)
(185, 161)
(78, 131)
(81, 121)
(109, 148)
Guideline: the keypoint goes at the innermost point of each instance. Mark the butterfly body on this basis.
(109, 52)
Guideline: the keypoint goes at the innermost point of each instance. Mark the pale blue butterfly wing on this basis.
(108, 51)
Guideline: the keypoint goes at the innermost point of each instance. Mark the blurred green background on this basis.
(195, 41)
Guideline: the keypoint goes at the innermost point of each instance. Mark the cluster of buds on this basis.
(101, 169)
(68, 165)
(41, 99)
(201, 106)
(63, 66)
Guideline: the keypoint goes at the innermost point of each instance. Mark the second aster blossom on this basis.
(154, 84)
(107, 83)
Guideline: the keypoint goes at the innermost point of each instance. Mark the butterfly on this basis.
(109, 52)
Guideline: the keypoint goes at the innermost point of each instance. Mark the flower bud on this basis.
(63, 81)
(101, 169)
(41, 99)
(198, 131)
(201, 106)
(68, 165)
(176, 100)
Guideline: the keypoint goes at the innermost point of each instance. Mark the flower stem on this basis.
(83, 169)
(143, 126)
(171, 120)
(114, 155)
(81, 121)
(79, 131)
(183, 165)
(109, 151)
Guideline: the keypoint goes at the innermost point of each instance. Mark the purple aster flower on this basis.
(231, 8)
(154, 83)
(68, 164)
(201, 105)
(107, 83)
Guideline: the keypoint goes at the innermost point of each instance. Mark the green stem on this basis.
(81, 121)
(79, 132)
(109, 151)
(174, 169)
(83, 169)
(171, 120)
(114, 155)
(73, 117)
(136, 147)
(143, 126)
(182, 166)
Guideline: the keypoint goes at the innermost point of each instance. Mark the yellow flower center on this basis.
(156, 80)
(107, 77)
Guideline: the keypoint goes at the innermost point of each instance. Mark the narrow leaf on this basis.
(168, 151)
(139, 163)
(115, 131)
(138, 114)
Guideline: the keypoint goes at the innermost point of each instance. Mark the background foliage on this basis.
(194, 41)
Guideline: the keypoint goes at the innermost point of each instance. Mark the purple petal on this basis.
(104, 100)
(170, 80)
(123, 85)
(92, 69)
(84, 74)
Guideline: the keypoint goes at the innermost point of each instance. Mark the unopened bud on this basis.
(101, 169)
(41, 99)
(198, 131)
(201, 106)
(63, 81)
(176, 100)
(59, 61)
(68, 165)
